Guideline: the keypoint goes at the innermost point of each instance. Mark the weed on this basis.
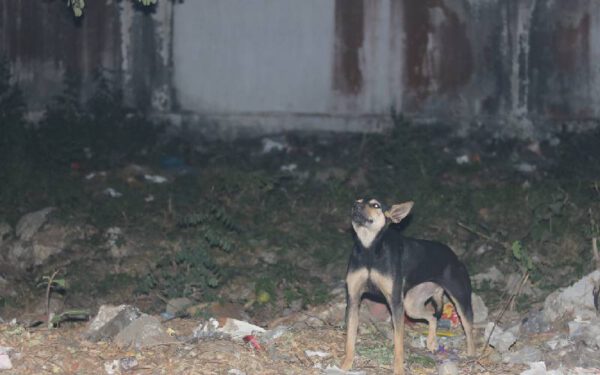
(191, 270)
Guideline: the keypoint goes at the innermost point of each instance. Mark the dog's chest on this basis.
(366, 279)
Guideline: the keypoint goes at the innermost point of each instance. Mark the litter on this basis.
(155, 178)
(112, 193)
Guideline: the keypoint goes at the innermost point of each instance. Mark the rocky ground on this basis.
(222, 258)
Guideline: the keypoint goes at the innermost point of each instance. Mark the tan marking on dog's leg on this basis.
(386, 285)
(467, 326)
(355, 283)
(399, 343)
(431, 335)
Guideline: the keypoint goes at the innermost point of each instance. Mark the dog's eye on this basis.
(375, 205)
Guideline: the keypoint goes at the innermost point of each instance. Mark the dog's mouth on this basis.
(359, 218)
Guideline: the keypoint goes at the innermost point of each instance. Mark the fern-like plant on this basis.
(191, 270)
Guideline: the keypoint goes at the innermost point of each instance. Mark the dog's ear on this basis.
(399, 211)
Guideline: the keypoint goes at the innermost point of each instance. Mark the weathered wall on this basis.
(517, 67)
(44, 42)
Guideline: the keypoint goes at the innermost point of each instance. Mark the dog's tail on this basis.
(457, 283)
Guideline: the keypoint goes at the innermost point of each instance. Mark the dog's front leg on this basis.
(351, 330)
(355, 284)
(398, 321)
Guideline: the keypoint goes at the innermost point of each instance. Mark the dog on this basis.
(412, 275)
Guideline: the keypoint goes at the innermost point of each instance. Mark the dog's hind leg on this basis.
(458, 288)
(424, 301)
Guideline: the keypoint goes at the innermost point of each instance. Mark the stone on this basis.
(448, 367)
(143, 332)
(492, 276)
(29, 224)
(587, 332)
(534, 322)
(273, 334)
(5, 363)
(176, 305)
(576, 300)
(5, 232)
(536, 368)
(480, 310)
(524, 355)
(48, 242)
(109, 321)
(501, 340)
(557, 342)
(19, 255)
(334, 370)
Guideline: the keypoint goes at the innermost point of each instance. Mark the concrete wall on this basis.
(44, 42)
(517, 67)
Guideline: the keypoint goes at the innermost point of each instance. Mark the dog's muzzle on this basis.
(358, 216)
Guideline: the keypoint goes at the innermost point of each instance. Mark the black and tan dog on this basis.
(412, 275)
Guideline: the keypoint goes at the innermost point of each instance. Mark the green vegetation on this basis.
(228, 204)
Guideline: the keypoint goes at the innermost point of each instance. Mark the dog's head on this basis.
(370, 216)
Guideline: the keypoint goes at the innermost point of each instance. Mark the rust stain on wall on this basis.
(349, 36)
(416, 27)
(572, 44)
(456, 62)
(438, 54)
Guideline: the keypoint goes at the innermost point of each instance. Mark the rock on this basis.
(128, 363)
(334, 370)
(492, 276)
(48, 242)
(29, 224)
(273, 334)
(448, 367)
(576, 355)
(143, 332)
(524, 355)
(576, 300)
(536, 368)
(480, 310)
(534, 322)
(501, 340)
(317, 353)
(5, 363)
(5, 232)
(19, 255)
(109, 321)
(587, 332)
(557, 342)
(176, 305)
